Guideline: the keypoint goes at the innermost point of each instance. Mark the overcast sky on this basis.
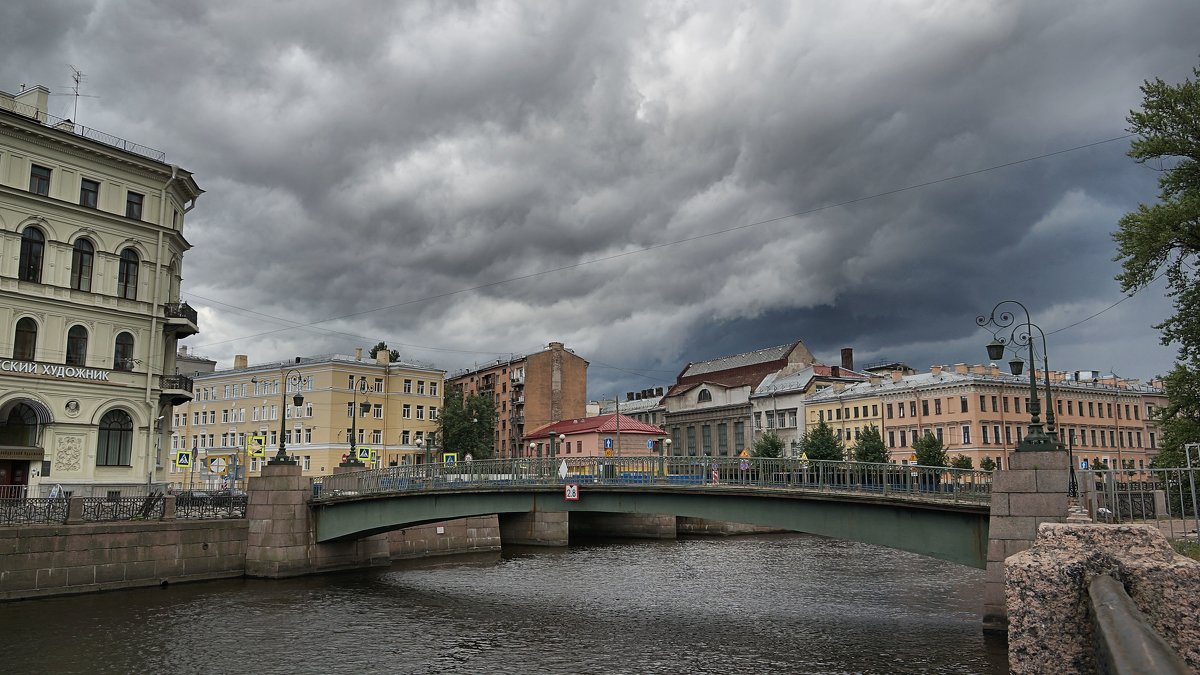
(406, 172)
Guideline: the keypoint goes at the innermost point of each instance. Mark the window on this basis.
(1016, 406)
(25, 340)
(874, 411)
(1005, 404)
(900, 409)
(379, 384)
(82, 258)
(966, 434)
(770, 419)
(995, 433)
(89, 193)
(891, 439)
(704, 396)
(912, 408)
(691, 441)
(937, 406)
(903, 438)
(376, 436)
(133, 205)
(123, 352)
(940, 434)
(349, 409)
(723, 438)
(404, 438)
(420, 412)
(115, 442)
(77, 339)
(962, 404)
(739, 436)
(408, 386)
(378, 412)
(706, 439)
(127, 275)
(421, 387)
(406, 411)
(433, 388)
(982, 403)
(433, 413)
(888, 409)
(33, 243)
(925, 407)
(984, 433)
(39, 180)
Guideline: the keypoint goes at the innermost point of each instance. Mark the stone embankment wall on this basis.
(43, 560)
(704, 526)
(480, 534)
(1050, 628)
(628, 525)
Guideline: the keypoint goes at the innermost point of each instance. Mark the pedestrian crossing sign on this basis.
(183, 459)
(256, 445)
(364, 454)
(744, 453)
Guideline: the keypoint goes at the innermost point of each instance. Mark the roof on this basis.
(758, 356)
(637, 405)
(948, 376)
(598, 424)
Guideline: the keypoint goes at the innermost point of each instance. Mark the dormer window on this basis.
(704, 397)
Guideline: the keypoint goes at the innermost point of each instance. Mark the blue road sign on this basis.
(608, 444)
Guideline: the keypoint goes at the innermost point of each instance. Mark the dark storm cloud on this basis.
(367, 155)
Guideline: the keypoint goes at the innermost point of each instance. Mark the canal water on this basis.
(786, 603)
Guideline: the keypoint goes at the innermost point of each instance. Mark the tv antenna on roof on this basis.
(77, 78)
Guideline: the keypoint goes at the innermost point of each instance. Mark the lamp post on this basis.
(532, 448)
(294, 379)
(1021, 335)
(352, 460)
(1073, 486)
(562, 439)
(664, 449)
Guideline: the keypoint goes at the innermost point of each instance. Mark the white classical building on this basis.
(91, 248)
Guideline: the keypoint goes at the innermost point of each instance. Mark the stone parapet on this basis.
(1050, 630)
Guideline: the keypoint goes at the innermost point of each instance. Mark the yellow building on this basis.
(389, 408)
(847, 410)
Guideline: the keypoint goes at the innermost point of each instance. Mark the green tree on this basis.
(963, 462)
(1164, 239)
(987, 464)
(393, 355)
(930, 451)
(770, 445)
(467, 424)
(820, 442)
(869, 447)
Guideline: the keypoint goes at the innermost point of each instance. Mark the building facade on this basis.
(91, 253)
(778, 402)
(530, 392)
(982, 413)
(606, 435)
(388, 408)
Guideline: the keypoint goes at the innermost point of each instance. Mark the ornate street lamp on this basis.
(1021, 335)
(293, 379)
(356, 408)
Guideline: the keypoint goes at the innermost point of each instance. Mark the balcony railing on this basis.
(177, 387)
(80, 130)
(180, 310)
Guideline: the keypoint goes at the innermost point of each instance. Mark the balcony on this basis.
(517, 420)
(176, 388)
(516, 379)
(181, 319)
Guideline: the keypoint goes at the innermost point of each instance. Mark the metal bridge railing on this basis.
(1166, 498)
(936, 483)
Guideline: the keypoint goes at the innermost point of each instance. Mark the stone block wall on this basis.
(1032, 491)
(38, 561)
(1050, 628)
(685, 525)
(537, 528)
(464, 535)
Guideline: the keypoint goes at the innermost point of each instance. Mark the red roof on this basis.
(599, 424)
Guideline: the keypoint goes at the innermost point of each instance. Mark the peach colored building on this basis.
(587, 438)
(978, 411)
(529, 392)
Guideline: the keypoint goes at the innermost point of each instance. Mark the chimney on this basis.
(383, 357)
(935, 371)
(835, 371)
(978, 369)
(658, 391)
(240, 361)
(358, 353)
(995, 370)
(629, 396)
(838, 386)
(874, 379)
(848, 358)
(961, 368)
(897, 375)
(556, 346)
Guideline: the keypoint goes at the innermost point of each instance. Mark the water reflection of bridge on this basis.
(934, 511)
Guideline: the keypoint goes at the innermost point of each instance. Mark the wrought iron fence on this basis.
(34, 510)
(149, 507)
(1165, 497)
(201, 505)
(939, 483)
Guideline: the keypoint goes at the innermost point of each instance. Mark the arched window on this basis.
(116, 439)
(127, 275)
(33, 243)
(81, 265)
(123, 352)
(704, 396)
(77, 339)
(25, 341)
(19, 426)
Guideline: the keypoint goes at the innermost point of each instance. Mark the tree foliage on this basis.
(987, 464)
(869, 447)
(393, 355)
(467, 424)
(1164, 239)
(820, 442)
(961, 461)
(930, 451)
(770, 445)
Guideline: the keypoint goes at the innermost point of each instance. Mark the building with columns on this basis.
(91, 256)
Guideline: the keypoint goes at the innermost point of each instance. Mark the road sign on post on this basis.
(608, 443)
(256, 445)
(183, 459)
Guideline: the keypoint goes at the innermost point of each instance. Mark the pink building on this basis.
(609, 435)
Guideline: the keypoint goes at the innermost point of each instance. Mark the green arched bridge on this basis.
(933, 511)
